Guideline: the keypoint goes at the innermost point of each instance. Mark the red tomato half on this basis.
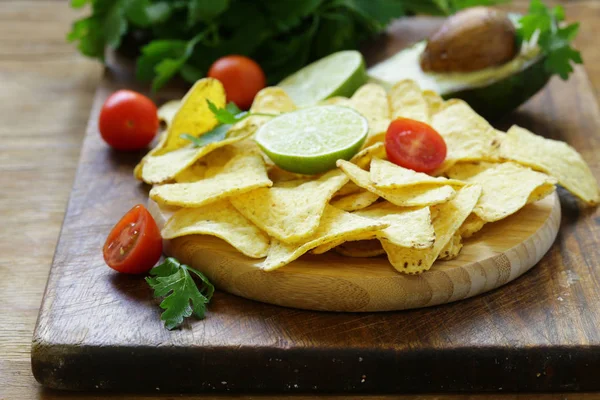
(134, 245)
(241, 76)
(415, 145)
(128, 120)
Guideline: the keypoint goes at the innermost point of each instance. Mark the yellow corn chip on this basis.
(420, 195)
(506, 187)
(164, 167)
(194, 117)
(355, 201)
(335, 224)
(325, 247)
(407, 101)
(468, 136)
(434, 102)
(360, 248)
(363, 158)
(409, 227)
(167, 111)
(348, 188)
(553, 157)
(293, 213)
(222, 220)
(452, 249)
(137, 171)
(272, 100)
(451, 216)
(208, 165)
(386, 175)
(243, 173)
(372, 102)
(471, 226)
(337, 101)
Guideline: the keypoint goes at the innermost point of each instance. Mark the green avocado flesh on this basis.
(492, 92)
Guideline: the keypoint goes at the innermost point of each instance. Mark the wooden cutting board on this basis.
(98, 330)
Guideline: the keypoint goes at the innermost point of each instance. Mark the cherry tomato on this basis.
(128, 120)
(241, 76)
(415, 145)
(134, 245)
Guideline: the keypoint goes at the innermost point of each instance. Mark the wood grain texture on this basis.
(500, 253)
(47, 94)
(535, 334)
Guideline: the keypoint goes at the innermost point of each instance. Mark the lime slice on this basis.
(311, 140)
(338, 74)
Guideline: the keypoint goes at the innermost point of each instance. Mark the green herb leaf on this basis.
(182, 298)
(79, 3)
(144, 13)
(215, 135)
(553, 40)
(205, 10)
(115, 24)
(227, 115)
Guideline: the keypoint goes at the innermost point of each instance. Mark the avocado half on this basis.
(491, 92)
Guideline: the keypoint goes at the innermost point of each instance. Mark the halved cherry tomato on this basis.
(415, 145)
(241, 76)
(134, 245)
(128, 120)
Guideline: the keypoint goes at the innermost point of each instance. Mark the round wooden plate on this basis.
(499, 253)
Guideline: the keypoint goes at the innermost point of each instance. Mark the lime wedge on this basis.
(338, 74)
(311, 140)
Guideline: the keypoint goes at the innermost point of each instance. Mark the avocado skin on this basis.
(501, 97)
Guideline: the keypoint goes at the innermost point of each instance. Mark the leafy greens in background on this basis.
(184, 37)
(554, 37)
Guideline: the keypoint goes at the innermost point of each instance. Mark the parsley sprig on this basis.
(227, 117)
(554, 38)
(182, 298)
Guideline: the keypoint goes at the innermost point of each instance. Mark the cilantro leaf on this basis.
(215, 135)
(145, 13)
(182, 298)
(205, 10)
(227, 115)
(115, 24)
(554, 38)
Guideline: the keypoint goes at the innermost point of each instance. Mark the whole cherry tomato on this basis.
(134, 245)
(415, 145)
(128, 120)
(241, 76)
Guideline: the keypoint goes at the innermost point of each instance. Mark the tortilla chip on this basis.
(272, 100)
(386, 175)
(409, 227)
(164, 167)
(194, 117)
(452, 248)
(434, 102)
(451, 216)
(363, 158)
(407, 101)
(278, 174)
(371, 101)
(348, 188)
(222, 220)
(355, 201)
(468, 136)
(553, 157)
(506, 187)
(360, 248)
(243, 173)
(207, 166)
(471, 226)
(420, 195)
(290, 214)
(167, 111)
(137, 171)
(337, 101)
(335, 225)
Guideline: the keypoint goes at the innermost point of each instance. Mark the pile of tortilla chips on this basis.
(367, 206)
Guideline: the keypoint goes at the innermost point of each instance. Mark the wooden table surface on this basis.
(45, 97)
